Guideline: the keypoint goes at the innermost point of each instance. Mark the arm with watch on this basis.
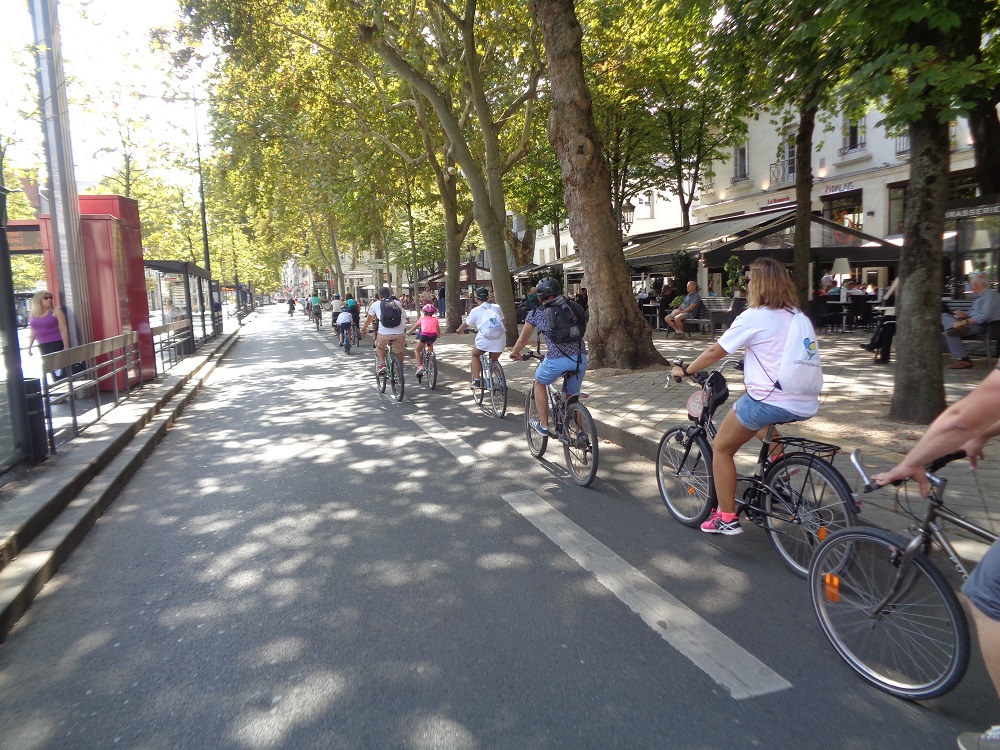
(707, 358)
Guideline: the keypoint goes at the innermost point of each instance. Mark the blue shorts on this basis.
(553, 367)
(756, 415)
(983, 586)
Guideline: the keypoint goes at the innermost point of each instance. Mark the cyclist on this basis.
(429, 330)
(762, 330)
(559, 358)
(352, 307)
(491, 336)
(316, 307)
(291, 306)
(344, 321)
(967, 425)
(384, 310)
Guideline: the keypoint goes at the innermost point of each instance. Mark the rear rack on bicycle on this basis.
(816, 448)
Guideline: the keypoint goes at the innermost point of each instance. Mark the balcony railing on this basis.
(902, 144)
(738, 177)
(858, 147)
(783, 172)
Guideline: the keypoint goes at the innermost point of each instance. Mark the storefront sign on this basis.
(965, 213)
(772, 201)
(842, 187)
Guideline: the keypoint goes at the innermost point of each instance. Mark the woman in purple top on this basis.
(48, 325)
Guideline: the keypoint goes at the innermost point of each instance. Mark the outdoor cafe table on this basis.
(652, 313)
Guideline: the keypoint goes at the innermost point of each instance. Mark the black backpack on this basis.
(392, 313)
(567, 321)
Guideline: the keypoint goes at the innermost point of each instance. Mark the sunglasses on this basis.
(48, 297)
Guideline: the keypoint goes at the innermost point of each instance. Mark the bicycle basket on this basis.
(713, 394)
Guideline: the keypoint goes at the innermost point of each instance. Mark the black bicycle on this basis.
(574, 428)
(884, 604)
(799, 498)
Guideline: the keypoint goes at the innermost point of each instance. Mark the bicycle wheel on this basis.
(809, 501)
(498, 390)
(684, 476)
(380, 377)
(918, 645)
(478, 393)
(536, 442)
(396, 373)
(431, 370)
(581, 448)
(347, 344)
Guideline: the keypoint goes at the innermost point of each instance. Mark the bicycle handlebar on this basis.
(936, 465)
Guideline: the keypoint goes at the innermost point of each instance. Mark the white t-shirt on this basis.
(476, 318)
(376, 310)
(344, 317)
(762, 331)
(336, 305)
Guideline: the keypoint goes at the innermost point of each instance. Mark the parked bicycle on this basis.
(494, 382)
(798, 497)
(392, 374)
(886, 607)
(574, 428)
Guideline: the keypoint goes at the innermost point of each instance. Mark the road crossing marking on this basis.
(457, 447)
(722, 659)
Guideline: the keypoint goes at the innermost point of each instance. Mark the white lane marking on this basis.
(328, 345)
(735, 669)
(457, 447)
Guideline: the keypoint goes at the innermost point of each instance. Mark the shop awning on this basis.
(701, 236)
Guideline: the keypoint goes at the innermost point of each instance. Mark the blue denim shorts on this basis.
(983, 586)
(553, 367)
(756, 415)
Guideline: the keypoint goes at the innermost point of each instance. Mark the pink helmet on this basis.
(429, 309)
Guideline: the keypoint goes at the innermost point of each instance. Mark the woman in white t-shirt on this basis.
(491, 335)
(761, 329)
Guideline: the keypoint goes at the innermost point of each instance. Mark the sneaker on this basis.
(381, 369)
(715, 525)
(477, 383)
(988, 740)
(536, 424)
(960, 364)
(419, 372)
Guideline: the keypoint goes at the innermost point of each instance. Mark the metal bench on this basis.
(716, 312)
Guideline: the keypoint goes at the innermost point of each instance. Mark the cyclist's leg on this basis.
(381, 344)
(399, 344)
(477, 367)
(731, 437)
(420, 354)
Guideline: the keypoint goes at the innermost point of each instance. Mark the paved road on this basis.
(304, 563)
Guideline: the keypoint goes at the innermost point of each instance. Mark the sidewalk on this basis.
(633, 409)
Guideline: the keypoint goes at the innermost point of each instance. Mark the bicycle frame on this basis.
(928, 531)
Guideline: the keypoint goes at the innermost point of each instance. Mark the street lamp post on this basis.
(628, 215)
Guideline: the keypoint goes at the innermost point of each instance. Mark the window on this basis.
(847, 210)
(741, 172)
(855, 137)
(783, 170)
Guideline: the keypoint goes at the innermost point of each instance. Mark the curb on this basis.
(56, 514)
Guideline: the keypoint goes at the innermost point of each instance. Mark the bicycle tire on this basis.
(536, 442)
(380, 377)
(431, 370)
(498, 390)
(396, 373)
(812, 501)
(684, 476)
(919, 648)
(479, 392)
(581, 448)
(347, 345)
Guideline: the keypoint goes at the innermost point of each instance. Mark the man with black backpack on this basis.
(388, 311)
(563, 323)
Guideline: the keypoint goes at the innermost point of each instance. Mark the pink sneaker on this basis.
(715, 525)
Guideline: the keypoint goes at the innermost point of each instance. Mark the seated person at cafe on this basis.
(881, 340)
(689, 308)
(960, 325)
(853, 289)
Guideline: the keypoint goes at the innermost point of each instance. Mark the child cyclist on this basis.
(429, 330)
(344, 323)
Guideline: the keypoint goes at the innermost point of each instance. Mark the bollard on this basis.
(36, 419)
